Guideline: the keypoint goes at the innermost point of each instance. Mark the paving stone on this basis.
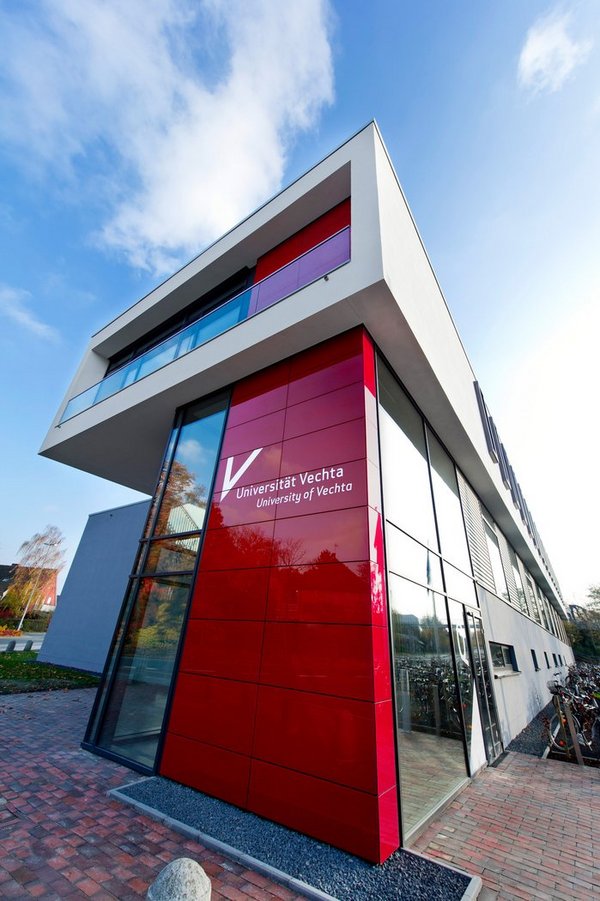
(526, 827)
(69, 835)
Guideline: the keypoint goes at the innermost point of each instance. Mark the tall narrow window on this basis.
(128, 716)
(496, 560)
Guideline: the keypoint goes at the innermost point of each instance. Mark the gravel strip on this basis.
(403, 877)
(532, 740)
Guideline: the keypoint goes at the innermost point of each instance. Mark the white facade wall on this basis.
(521, 694)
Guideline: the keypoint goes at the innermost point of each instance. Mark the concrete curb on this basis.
(302, 888)
(265, 869)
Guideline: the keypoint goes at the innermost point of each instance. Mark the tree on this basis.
(40, 559)
(593, 603)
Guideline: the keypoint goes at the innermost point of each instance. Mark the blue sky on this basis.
(132, 134)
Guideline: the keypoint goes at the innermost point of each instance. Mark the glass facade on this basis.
(128, 717)
(310, 266)
(438, 675)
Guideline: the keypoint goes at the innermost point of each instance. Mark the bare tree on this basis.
(40, 559)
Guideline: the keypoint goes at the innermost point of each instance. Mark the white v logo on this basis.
(230, 479)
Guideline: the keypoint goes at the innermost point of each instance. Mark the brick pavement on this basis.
(62, 838)
(528, 827)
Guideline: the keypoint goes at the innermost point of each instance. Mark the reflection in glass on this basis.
(183, 506)
(136, 708)
(521, 598)
(172, 555)
(448, 511)
(430, 736)
(463, 666)
(408, 558)
(130, 707)
(459, 586)
(408, 501)
(496, 561)
(485, 692)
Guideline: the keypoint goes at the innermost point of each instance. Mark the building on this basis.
(82, 627)
(39, 584)
(341, 608)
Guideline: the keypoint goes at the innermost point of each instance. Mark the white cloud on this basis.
(194, 105)
(13, 306)
(191, 451)
(550, 54)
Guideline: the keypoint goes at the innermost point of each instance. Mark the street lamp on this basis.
(34, 589)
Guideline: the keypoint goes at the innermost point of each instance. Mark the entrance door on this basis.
(485, 692)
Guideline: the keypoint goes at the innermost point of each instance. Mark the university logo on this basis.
(231, 478)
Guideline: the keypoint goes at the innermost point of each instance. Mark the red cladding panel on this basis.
(313, 383)
(323, 538)
(332, 813)
(385, 744)
(231, 594)
(285, 667)
(240, 547)
(378, 596)
(319, 735)
(325, 410)
(229, 649)
(389, 824)
(215, 711)
(259, 395)
(320, 657)
(207, 768)
(323, 227)
(370, 377)
(329, 593)
(321, 492)
(260, 464)
(242, 506)
(326, 448)
(256, 433)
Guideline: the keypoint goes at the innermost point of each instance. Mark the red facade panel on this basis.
(323, 227)
(289, 609)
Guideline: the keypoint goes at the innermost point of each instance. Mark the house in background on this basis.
(43, 581)
(340, 607)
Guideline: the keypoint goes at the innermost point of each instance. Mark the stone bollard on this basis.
(10, 646)
(181, 880)
(28, 645)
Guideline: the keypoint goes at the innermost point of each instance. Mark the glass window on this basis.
(172, 555)
(533, 601)
(406, 485)
(135, 713)
(542, 606)
(521, 598)
(430, 739)
(408, 558)
(536, 665)
(448, 510)
(496, 561)
(464, 671)
(129, 712)
(183, 506)
(459, 586)
(503, 656)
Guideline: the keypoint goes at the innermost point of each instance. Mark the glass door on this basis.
(485, 691)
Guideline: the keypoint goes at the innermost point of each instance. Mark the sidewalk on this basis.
(529, 828)
(36, 637)
(62, 838)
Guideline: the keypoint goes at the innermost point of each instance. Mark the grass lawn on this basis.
(20, 672)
